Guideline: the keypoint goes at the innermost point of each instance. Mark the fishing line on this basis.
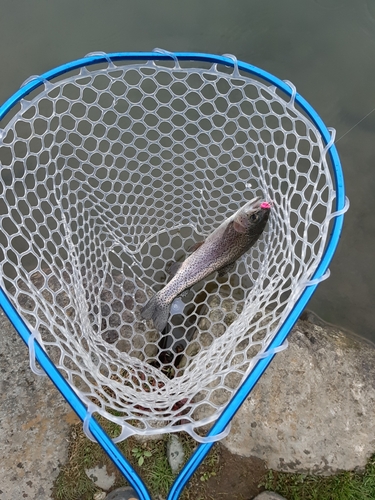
(354, 126)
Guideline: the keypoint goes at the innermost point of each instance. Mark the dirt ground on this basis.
(238, 478)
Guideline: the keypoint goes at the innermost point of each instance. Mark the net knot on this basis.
(32, 358)
(330, 142)
(236, 72)
(273, 351)
(103, 54)
(293, 92)
(170, 54)
(341, 211)
(212, 438)
(91, 408)
(41, 79)
(316, 281)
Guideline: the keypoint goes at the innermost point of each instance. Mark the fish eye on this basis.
(254, 217)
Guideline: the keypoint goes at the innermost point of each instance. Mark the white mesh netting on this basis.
(110, 173)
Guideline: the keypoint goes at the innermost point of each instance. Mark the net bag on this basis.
(111, 171)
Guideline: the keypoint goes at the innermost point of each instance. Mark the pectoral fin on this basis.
(226, 269)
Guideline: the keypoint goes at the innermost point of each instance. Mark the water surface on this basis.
(325, 47)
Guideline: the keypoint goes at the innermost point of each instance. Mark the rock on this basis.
(269, 495)
(34, 423)
(100, 477)
(124, 493)
(312, 410)
(99, 495)
(175, 453)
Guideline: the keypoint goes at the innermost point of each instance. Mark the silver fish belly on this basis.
(235, 236)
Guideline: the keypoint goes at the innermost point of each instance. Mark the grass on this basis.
(149, 459)
(71, 483)
(343, 486)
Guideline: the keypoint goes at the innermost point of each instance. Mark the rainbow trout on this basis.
(218, 252)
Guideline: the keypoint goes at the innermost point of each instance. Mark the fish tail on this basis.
(158, 311)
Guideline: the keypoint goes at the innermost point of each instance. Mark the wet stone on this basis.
(126, 331)
(117, 291)
(106, 310)
(108, 281)
(26, 301)
(239, 307)
(140, 296)
(128, 286)
(117, 306)
(216, 315)
(228, 305)
(62, 299)
(47, 295)
(129, 302)
(139, 327)
(214, 301)
(70, 312)
(218, 329)
(110, 336)
(127, 316)
(230, 318)
(123, 345)
(138, 341)
(206, 339)
(114, 320)
(106, 296)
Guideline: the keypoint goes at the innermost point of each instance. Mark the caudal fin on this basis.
(158, 311)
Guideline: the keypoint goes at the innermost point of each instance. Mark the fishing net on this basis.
(112, 172)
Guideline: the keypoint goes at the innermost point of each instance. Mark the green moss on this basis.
(343, 486)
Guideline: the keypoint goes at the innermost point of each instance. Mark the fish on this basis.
(218, 252)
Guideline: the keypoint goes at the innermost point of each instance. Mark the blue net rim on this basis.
(232, 407)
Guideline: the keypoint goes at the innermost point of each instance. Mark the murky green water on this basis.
(325, 47)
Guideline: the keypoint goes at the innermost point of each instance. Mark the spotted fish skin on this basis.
(234, 237)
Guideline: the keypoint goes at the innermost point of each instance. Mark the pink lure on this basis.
(265, 204)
